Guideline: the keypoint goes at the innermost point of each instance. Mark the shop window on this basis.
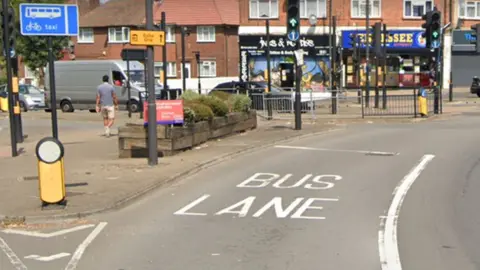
(313, 7)
(469, 9)
(260, 9)
(416, 8)
(359, 8)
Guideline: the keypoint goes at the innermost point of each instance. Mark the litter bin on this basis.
(422, 102)
(3, 102)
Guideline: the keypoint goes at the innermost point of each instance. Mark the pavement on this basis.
(324, 198)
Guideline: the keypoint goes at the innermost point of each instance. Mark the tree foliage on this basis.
(34, 49)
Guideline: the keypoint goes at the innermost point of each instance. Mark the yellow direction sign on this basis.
(147, 38)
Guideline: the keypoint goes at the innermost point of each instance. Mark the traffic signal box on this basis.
(377, 39)
(432, 29)
(476, 35)
(10, 14)
(293, 18)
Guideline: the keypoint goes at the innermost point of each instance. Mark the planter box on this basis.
(132, 138)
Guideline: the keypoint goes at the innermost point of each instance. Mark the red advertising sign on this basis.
(169, 112)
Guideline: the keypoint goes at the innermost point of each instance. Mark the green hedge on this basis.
(203, 108)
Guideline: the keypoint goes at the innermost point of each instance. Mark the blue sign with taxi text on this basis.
(48, 20)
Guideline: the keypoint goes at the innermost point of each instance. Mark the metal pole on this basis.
(333, 69)
(16, 98)
(450, 86)
(164, 52)
(129, 93)
(53, 91)
(298, 81)
(269, 79)
(330, 13)
(184, 80)
(152, 106)
(384, 68)
(8, 64)
(199, 75)
(367, 52)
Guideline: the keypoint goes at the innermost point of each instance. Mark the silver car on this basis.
(31, 97)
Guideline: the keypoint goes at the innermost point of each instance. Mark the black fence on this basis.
(401, 104)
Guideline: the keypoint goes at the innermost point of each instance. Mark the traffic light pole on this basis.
(334, 65)
(152, 106)
(164, 52)
(6, 46)
(16, 95)
(384, 68)
(367, 52)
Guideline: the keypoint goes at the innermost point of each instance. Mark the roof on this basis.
(115, 13)
(199, 12)
(183, 12)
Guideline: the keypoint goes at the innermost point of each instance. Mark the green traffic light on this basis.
(435, 34)
(293, 22)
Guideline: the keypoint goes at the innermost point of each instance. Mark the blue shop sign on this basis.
(397, 39)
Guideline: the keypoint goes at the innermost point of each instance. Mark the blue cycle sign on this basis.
(48, 20)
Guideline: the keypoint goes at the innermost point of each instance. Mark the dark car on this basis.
(282, 100)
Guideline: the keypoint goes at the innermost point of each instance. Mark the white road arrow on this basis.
(48, 235)
(48, 258)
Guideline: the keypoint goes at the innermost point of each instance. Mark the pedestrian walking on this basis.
(107, 104)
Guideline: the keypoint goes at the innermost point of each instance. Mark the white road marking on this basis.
(47, 258)
(48, 235)
(338, 150)
(72, 264)
(189, 206)
(387, 236)
(16, 262)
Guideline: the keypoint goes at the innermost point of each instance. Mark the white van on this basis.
(76, 83)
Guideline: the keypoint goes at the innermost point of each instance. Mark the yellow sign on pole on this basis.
(147, 38)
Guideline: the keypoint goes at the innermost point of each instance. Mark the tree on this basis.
(34, 50)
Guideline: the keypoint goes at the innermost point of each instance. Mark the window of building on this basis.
(171, 69)
(416, 8)
(205, 33)
(469, 9)
(260, 8)
(208, 69)
(359, 8)
(170, 34)
(313, 7)
(30, 74)
(85, 35)
(118, 34)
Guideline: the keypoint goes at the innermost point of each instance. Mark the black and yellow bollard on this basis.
(422, 102)
(17, 110)
(51, 173)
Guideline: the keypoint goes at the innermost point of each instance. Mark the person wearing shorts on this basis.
(107, 104)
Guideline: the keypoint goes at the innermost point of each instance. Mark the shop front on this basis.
(407, 64)
(464, 58)
(253, 60)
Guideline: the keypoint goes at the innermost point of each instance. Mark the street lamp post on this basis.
(184, 32)
(269, 70)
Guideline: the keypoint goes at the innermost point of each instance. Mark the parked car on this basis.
(31, 97)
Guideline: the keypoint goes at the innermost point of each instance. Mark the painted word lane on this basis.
(295, 208)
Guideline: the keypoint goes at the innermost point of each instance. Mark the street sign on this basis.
(12, 52)
(133, 54)
(435, 44)
(293, 36)
(48, 20)
(147, 38)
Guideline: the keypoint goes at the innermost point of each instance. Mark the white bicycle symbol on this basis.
(33, 26)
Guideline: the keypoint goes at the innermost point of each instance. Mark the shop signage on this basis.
(280, 45)
(463, 41)
(244, 66)
(397, 39)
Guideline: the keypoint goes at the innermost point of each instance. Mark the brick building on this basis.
(402, 17)
(212, 27)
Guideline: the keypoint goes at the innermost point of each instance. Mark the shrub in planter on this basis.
(218, 106)
(188, 115)
(190, 95)
(221, 95)
(201, 111)
(240, 103)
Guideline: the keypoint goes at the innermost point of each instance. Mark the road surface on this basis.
(369, 197)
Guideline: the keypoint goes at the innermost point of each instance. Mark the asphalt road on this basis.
(384, 197)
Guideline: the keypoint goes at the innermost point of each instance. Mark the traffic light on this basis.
(476, 35)
(293, 20)
(435, 29)
(426, 25)
(10, 14)
(377, 39)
